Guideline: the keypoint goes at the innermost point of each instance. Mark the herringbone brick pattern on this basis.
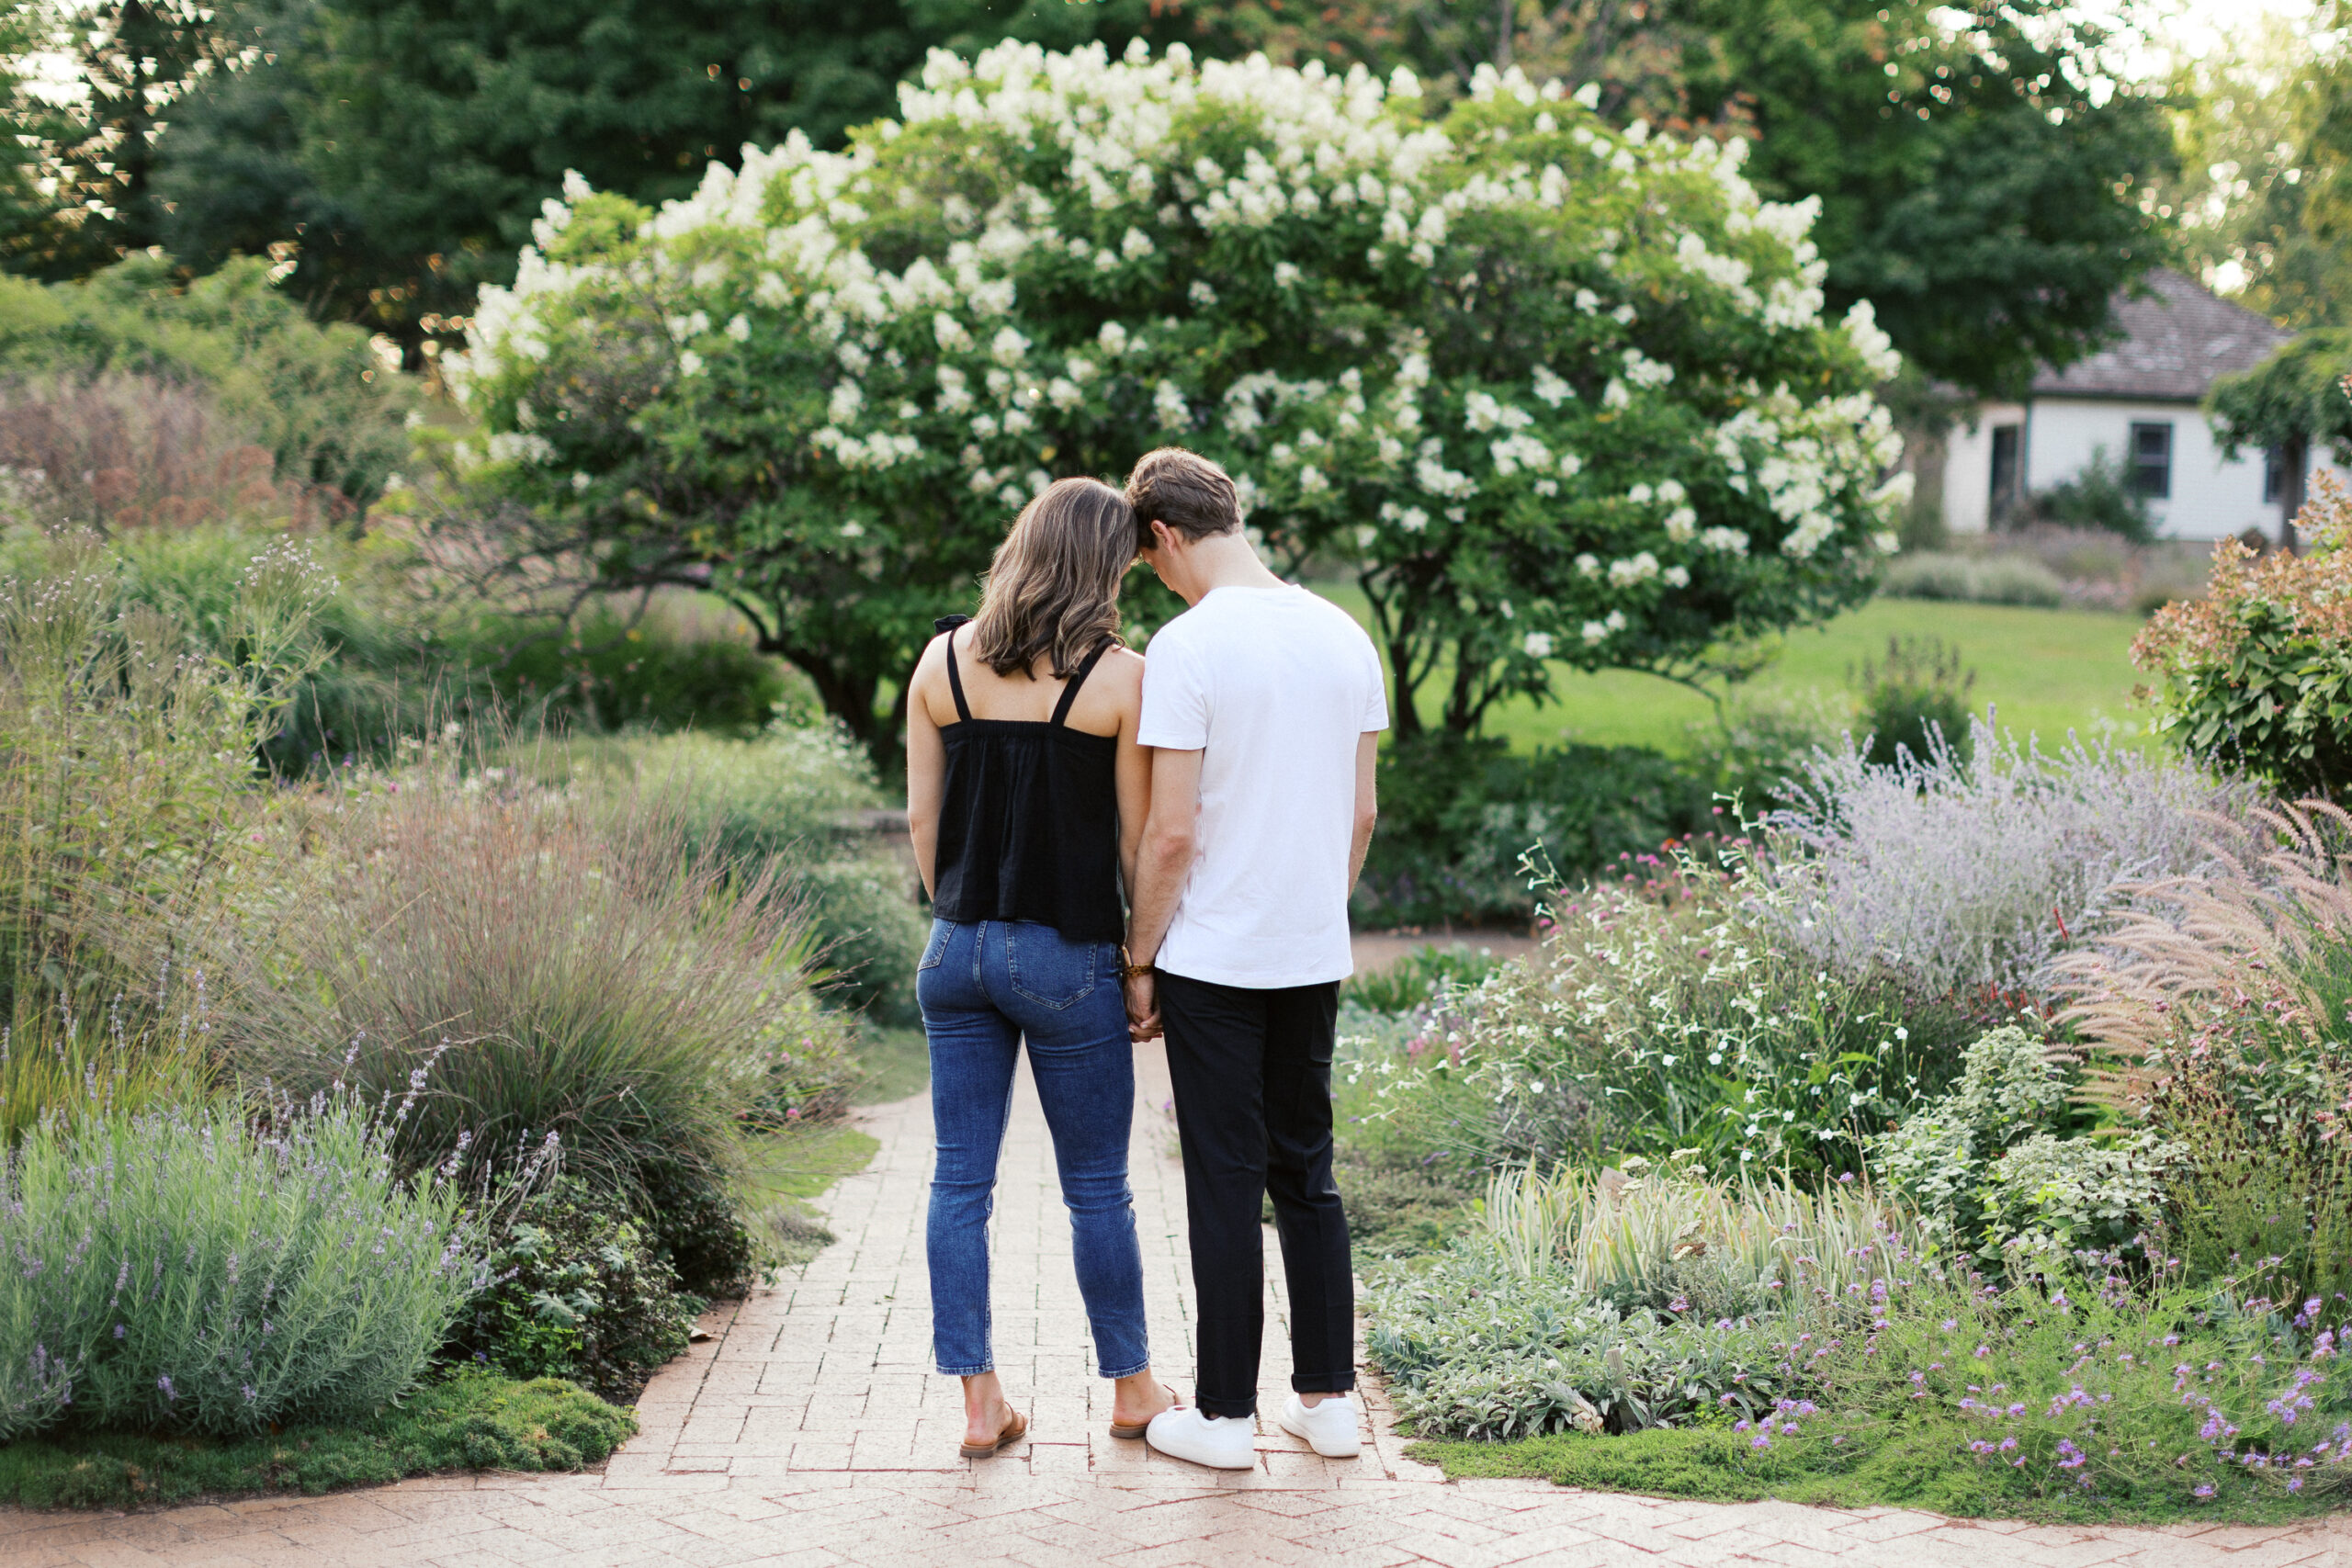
(810, 1431)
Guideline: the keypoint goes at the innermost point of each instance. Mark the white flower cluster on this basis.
(955, 374)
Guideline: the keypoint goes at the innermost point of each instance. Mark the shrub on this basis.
(577, 1292)
(1458, 814)
(1662, 1018)
(1916, 703)
(2258, 674)
(1976, 874)
(602, 670)
(591, 977)
(329, 412)
(1989, 1169)
(2218, 1013)
(2102, 496)
(1414, 978)
(1982, 580)
(185, 1270)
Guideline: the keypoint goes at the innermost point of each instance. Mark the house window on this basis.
(2004, 470)
(2274, 475)
(2152, 459)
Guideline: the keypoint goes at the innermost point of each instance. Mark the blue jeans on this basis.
(985, 988)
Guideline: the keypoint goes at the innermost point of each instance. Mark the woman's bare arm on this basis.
(926, 766)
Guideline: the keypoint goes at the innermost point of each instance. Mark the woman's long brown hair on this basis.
(1054, 586)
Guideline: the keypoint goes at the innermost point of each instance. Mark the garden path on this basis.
(809, 1432)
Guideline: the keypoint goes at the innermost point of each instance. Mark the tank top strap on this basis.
(1069, 692)
(948, 624)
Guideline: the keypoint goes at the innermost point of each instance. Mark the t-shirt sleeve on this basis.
(1175, 698)
(1375, 702)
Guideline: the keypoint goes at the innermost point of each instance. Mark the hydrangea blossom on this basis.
(1471, 353)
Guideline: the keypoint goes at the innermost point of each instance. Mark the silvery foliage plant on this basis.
(1968, 873)
(214, 1270)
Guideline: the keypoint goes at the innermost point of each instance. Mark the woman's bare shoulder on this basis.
(1123, 664)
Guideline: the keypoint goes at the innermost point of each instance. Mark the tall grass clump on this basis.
(1969, 871)
(786, 803)
(198, 1269)
(2219, 1016)
(128, 791)
(578, 973)
(1982, 580)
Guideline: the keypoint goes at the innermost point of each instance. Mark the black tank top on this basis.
(1029, 825)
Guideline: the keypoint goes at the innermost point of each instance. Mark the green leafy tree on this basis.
(1980, 167)
(2253, 198)
(134, 58)
(397, 151)
(1564, 394)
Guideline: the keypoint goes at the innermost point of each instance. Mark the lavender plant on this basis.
(1968, 873)
(203, 1270)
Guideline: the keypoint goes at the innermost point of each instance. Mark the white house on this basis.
(2136, 400)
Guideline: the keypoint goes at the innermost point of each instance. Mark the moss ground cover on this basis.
(473, 1421)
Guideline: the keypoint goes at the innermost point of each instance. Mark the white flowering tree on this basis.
(1558, 392)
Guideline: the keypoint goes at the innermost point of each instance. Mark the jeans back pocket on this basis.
(1047, 967)
(936, 948)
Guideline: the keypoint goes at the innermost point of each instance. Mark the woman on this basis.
(1025, 791)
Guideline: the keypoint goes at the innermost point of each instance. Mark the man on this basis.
(1264, 704)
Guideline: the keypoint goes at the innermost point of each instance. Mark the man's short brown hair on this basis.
(1185, 491)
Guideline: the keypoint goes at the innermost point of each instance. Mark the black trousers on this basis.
(1252, 1075)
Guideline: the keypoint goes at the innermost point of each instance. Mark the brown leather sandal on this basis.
(1015, 1427)
(1123, 1429)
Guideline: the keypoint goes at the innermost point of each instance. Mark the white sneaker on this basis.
(1221, 1442)
(1330, 1428)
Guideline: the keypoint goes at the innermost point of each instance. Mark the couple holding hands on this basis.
(1226, 784)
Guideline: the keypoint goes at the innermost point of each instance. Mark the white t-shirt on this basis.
(1275, 687)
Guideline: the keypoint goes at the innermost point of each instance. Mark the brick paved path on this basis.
(811, 1432)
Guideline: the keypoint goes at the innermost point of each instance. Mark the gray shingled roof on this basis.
(2177, 341)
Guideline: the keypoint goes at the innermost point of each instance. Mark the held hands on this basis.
(1142, 987)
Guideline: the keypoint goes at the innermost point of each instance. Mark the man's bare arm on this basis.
(1165, 859)
(1367, 802)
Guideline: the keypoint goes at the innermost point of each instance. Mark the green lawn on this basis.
(2045, 670)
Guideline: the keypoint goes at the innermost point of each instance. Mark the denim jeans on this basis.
(986, 988)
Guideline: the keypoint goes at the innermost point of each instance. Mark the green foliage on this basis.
(1977, 186)
(471, 1421)
(1458, 813)
(1989, 1169)
(604, 670)
(2100, 496)
(577, 1292)
(1663, 1016)
(2257, 674)
(2295, 399)
(1413, 979)
(1916, 702)
(317, 398)
(834, 392)
(400, 149)
(194, 1271)
(1982, 580)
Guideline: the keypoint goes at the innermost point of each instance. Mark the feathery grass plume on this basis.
(203, 1270)
(2220, 1013)
(578, 973)
(1977, 871)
